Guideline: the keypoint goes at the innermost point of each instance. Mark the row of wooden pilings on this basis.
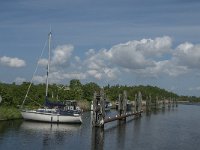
(98, 117)
(160, 104)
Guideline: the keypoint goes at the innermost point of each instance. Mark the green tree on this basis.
(89, 89)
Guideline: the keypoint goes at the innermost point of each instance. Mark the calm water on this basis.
(174, 129)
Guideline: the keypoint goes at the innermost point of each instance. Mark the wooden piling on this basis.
(98, 118)
(98, 109)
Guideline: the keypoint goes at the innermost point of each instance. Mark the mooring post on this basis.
(147, 104)
(98, 109)
(120, 107)
(124, 107)
(155, 104)
(150, 104)
(95, 105)
(140, 101)
(136, 103)
(102, 108)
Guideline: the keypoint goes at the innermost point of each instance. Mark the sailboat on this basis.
(52, 112)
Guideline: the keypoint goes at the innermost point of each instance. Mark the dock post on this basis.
(136, 103)
(98, 109)
(95, 105)
(155, 104)
(149, 103)
(124, 107)
(102, 108)
(120, 104)
(140, 102)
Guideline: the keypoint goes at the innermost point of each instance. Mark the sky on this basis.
(126, 42)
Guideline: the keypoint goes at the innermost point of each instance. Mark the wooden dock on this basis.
(98, 118)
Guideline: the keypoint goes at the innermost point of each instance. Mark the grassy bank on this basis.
(84, 105)
(8, 113)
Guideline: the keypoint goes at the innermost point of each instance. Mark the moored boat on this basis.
(53, 112)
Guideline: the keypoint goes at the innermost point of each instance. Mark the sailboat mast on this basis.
(48, 65)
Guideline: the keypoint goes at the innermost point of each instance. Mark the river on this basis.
(169, 129)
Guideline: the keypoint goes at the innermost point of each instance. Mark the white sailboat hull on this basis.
(50, 117)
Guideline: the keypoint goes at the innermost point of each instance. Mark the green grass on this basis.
(9, 113)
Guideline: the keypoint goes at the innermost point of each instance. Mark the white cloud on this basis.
(20, 80)
(95, 74)
(143, 58)
(43, 62)
(188, 54)
(126, 56)
(111, 73)
(90, 52)
(133, 56)
(39, 79)
(140, 54)
(156, 47)
(62, 54)
(12, 62)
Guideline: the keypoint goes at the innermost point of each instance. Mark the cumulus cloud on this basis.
(140, 54)
(134, 56)
(137, 56)
(144, 58)
(62, 54)
(188, 54)
(12, 62)
(126, 56)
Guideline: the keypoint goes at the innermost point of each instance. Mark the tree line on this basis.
(13, 94)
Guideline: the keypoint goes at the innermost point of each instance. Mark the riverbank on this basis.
(9, 113)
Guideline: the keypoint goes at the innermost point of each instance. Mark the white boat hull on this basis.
(50, 117)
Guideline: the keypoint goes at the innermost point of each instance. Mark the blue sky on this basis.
(131, 42)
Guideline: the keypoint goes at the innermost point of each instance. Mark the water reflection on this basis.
(49, 133)
(137, 126)
(97, 138)
(7, 125)
(121, 134)
(38, 126)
